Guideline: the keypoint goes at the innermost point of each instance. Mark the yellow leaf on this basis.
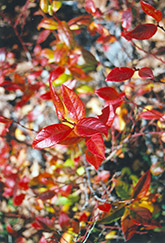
(66, 237)
(111, 235)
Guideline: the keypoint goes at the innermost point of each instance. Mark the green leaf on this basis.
(123, 190)
(113, 215)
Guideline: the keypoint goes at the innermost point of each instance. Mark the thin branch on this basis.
(148, 53)
(28, 55)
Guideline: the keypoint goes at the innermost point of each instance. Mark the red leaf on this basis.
(61, 53)
(11, 230)
(120, 74)
(71, 139)
(46, 96)
(60, 110)
(141, 215)
(83, 20)
(95, 145)
(141, 32)
(126, 19)
(51, 135)
(88, 126)
(43, 222)
(105, 207)
(65, 190)
(142, 186)
(146, 73)
(46, 195)
(43, 36)
(24, 183)
(128, 226)
(151, 11)
(83, 217)
(102, 176)
(65, 35)
(73, 103)
(90, 8)
(63, 220)
(108, 93)
(151, 115)
(93, 159)
(48, 24)
(17, 200)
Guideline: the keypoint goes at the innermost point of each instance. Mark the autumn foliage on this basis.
(81, 138)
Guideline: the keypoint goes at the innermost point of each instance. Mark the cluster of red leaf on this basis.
(54, 193)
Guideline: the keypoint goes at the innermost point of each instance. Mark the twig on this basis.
(90, 231)
(161, 27)
(90, 186)
(151, 54)
(28, 55)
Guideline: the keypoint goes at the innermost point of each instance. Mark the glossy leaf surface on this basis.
(89, 126)
(65, 35)
(108, 115)
(151, 11)
(151, 115)
(60, 110)
(141, 32)
(90, 8)
(95, 145)
(146, 73)
(51, 135)
(120, 74)
(108, 93)
(142, 186)
(73, 103)
(48, 24)
(93, 159)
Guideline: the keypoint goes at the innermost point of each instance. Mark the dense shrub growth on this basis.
(81, 121)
